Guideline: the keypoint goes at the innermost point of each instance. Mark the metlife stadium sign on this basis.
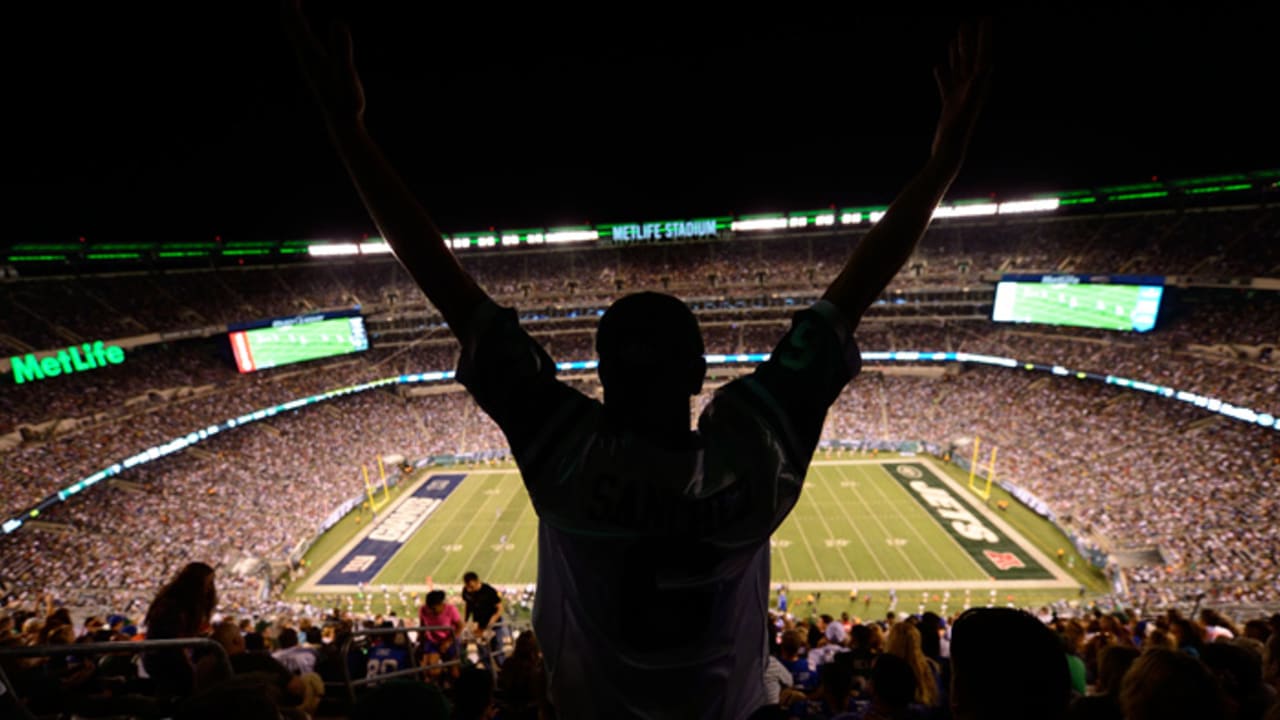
(88, 356)
(674, 230)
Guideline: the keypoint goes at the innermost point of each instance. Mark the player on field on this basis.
(640, 519)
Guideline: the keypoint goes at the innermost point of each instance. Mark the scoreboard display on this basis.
(1107, 302)
(292, 340)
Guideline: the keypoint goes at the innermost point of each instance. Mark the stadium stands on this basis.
(1123, 470)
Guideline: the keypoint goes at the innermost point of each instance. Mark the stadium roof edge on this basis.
(40, 256)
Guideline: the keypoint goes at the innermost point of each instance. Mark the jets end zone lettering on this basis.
(999, 556)
(28, 368)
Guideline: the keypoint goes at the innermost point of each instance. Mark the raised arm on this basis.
(329, 69)
(962, 84)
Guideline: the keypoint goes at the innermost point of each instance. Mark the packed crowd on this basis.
(1056, 662)
(298, 466)
(294, 662)
(1113, 465)
(1120, 467)
(1117, 467)
(56, 312)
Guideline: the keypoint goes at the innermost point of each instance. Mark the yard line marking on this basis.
(483, 509)
(804, 538)
(533, 542)
(857, 531)
(439, 532)
(830, 535)
(885, 530)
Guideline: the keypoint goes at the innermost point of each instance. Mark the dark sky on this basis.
(182, 124)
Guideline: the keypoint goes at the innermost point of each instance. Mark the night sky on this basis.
(176, 125)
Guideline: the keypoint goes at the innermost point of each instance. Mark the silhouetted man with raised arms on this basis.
(640, 519)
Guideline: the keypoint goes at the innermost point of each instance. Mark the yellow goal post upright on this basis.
(984, 493)
(382, 474)
(973, 464)
(374, 505)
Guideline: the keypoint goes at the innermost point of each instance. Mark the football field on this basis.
(860, 524)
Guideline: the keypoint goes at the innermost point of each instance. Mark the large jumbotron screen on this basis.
(1074, 300)
(297, 340)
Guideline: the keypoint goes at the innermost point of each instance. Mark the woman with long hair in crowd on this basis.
(904, 642)
(182, 609)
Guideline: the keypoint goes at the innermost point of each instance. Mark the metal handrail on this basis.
(350, 684)
(131, 647)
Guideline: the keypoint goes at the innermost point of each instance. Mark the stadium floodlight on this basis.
(375, 248)
(571, 236)
(1026, 206)
(797, 222)
(333, 250)
(459, 243)
(953, 211)
(875, 216)
(824, 220)
(509, 240)
(486, 241)
(534, 238)
(760, 224)
(851, 218)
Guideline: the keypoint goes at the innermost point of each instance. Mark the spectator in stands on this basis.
(286, 688)
(299, 659)
(893, 691)
(1238, 671)
(636, 512)
(388, 654)
(777, 680)
(522, 682)
(904, 643)
(1170, 685)
(792, 655)
(1006, 665)
(484, 610)
(1104, 704)
(833, 632)
(331, 655)
(1187, 634)
(863, 652)
(835, 693)
(182, 609)
(441, 644)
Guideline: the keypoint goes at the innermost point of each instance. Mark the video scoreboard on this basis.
(284, 341)
(1110, 302)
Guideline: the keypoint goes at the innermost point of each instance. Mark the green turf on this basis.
(1046, 536)
(855, 524)
(466, 534)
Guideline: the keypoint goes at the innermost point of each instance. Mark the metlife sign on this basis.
(672, 230)
(88, 356)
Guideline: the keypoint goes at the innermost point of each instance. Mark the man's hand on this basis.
(962, 86)
(330, 72)
(328, 66)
